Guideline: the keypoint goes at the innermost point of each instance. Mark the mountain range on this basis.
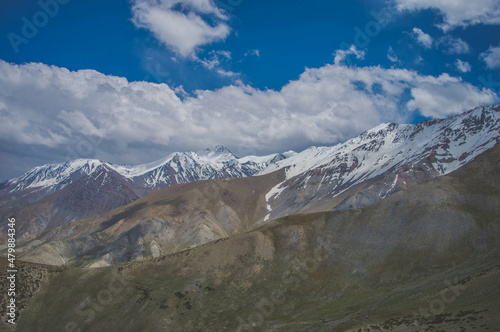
(52, 195)
(120, 226)
(380, 162)
(176, 168)
(422, 259)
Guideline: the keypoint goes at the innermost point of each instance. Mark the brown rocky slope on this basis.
(423, 259)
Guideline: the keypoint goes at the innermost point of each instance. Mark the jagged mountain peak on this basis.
(439, 146)
(391, 135)
(178, 167)
(54, 176)
(380, 129)
(215, 151)
(391, 152)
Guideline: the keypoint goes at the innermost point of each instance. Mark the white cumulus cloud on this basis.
(492, 57)
(252, 52)
(451, 96)
(341, 55)
(391, 55)
(424, 39)
(182, 25)
(463, 66)
(454, 45)
(457, 13)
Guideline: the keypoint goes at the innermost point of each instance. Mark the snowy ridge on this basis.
(179, 167)
(182, 167)
(449, 143)
(185, 160)
(440, 146)
(55, 176)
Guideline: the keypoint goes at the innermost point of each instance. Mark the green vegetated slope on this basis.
(426, 259)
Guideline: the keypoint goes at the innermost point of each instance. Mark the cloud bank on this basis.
(82, 114)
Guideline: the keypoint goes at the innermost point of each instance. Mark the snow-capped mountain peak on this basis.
(178, 167)
(475, 129)
(433, 148)
(219, 150)
(53, 177)
(182, 167)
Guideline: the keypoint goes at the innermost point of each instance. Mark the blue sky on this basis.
(81, 79)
